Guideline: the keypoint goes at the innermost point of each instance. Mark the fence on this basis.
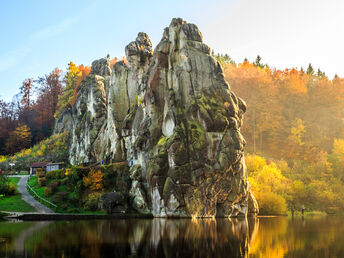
(39, 198)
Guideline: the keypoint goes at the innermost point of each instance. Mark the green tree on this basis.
(310, 69)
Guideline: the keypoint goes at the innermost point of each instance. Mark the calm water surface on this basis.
(263, 237)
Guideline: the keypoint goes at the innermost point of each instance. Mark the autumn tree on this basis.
(26, 91)
(84, 72)
(19, 139)
(66, 99)
(46, 104)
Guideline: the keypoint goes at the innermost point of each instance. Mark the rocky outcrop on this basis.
(171, 115)
(112, 203)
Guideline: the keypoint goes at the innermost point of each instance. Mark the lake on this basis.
(259, 237)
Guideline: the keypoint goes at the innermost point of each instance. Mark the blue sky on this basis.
(37, 36)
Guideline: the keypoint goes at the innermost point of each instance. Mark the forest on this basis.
(293, 127)
(294, 132)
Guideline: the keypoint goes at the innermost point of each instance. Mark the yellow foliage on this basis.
(39, 153)
(94, 180)
(268, 185)
(297, 132)
(271, 203)
(338, 148)
(254, 162)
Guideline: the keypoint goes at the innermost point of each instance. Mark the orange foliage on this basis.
(277, 98)
(113, 61)
(84, 72)
(94, 180)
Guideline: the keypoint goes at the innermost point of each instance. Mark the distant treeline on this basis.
(295, 124)
(30, 116)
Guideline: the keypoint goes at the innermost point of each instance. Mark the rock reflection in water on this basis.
(142, 238)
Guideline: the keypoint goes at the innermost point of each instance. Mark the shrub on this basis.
(7, 188)
(42, 181)
(60, 197)
(271, 203)
(48, 191)
(92, 202)
(4, 184)
(64, 181)
(40, 172)
(54, 185)
(55, 174)
(74, 198)
(12, 189)
(94, 180)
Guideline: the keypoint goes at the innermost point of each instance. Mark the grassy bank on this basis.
(307, 213)
(14, 202)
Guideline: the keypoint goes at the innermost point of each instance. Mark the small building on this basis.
(53, 166)
(36, 165)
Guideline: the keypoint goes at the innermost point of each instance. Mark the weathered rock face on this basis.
(112, 203)
(172, 116)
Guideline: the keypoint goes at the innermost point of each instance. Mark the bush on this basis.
(55, 174)
(271, 204)
(42, 181)
(64, 181)
(40, 172)
(54, 185)
(94, 180)
(48, 191)
(4, 184)
(74, 198)
(60, 197)
(92, 202)
(12, 189)
(7, 188)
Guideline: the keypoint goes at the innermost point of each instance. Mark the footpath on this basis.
(26, 196)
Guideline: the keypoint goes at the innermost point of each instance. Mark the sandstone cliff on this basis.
(173, 118)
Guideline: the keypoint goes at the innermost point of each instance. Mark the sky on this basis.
(38, 35)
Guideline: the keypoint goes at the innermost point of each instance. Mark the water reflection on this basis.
(265, 237)
(134, 238)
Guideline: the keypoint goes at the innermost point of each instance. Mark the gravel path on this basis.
(26, 196)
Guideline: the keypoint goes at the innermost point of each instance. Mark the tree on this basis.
(46, 104)
(66, 99)
(310, 69)
(19, 139)
(26, 92)
(258, 62)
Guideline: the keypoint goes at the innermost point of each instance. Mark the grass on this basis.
(14, 202)
(308, 213)
(14, 180)
(33, 182)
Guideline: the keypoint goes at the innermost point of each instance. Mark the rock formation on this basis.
(171, 115)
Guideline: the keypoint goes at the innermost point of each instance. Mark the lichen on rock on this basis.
(171, 115)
